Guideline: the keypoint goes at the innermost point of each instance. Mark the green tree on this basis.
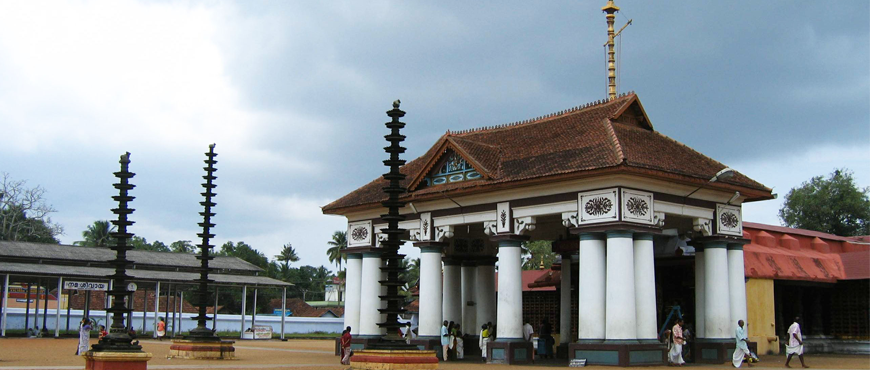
(337, 246)
(98, 234)
(287, 255)
(537, 252)
(834, 205)
(245, 252)
(182, 246)
(24, 213)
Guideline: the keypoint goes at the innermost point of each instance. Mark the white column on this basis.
(484, 296)
(510, 291)
(369, 291)
(645, 287)
(736, 283)
(700, 284)
(469, 313)
(157, 308)
(430, 290)
(565, 301)
(452, 302)
(284, 308)
(353, 282)
(620, 321)
(244, 303)
(717, 315)
(5, 304)
(57, 307)
(591, 287)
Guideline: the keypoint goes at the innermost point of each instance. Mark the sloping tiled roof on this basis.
(612, 135)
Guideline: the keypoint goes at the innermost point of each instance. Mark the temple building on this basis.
(600, 182)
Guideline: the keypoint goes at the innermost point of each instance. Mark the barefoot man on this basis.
(795, 345)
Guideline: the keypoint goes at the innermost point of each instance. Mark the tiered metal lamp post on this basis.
(201, 342)
(117, 350)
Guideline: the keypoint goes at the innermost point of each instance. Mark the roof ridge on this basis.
(620, 156)
(593, 104)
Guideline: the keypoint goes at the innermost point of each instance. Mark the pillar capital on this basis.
(451, 261)
(718, 242)
(509, 237)
(618, 225)
(643, 236)
(353, 256)
(431, 246)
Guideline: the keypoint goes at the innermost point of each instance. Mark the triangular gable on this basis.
(449, 164)
(632, 113)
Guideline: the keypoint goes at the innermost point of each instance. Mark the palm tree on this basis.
(288, 254)
(97, 235)
(338, 243)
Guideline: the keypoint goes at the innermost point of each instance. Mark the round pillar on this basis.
(452, 302)
(645, 287)
(565, 301)
(620, 321)
(484, 296)
(469, 306)
(353, 283)
(717, 304)
(369, 317)
(591, 287)
(736, 283)
(430, 291)
(510, 289)
(700, 284)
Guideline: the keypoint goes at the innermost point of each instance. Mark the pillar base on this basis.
(116, 360)
(562, 351)
(374, 359)
(429, 344)
(193, 349)
(716, 351)
(471, 345)
(619, 354)
(517, 352)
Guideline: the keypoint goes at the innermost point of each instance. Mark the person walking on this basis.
(345, 346)
(84, 336)
(675, 355)
(445, 340)
(741, 350)
(795, 344)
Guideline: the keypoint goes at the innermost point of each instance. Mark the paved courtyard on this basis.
(48, 353)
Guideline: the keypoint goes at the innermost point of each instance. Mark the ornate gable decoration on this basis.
(450, 167)
(729, 220)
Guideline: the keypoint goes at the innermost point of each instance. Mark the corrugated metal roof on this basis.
(63, 252)
(71, 272)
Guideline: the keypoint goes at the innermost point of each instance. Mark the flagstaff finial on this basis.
(611, 9)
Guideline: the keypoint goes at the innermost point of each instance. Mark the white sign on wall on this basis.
(85, 285)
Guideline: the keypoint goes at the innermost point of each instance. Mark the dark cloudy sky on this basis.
(294, 95)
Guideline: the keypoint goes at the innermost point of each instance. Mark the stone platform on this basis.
(619, 353)
(717, 351)
(202, 350)
(375, 359)
(116, 360)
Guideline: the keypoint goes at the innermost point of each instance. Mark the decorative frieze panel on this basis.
(729, 220)
(637, 206)
(598, 206)
(359, 234)
(426, 226)
(503, 217)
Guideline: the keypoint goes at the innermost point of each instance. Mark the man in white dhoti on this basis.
(741, 351)
(675, 355)
(795, 345)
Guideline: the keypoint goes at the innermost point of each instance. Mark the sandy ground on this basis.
(23, 354)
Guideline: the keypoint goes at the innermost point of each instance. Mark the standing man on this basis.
(445, 340)
(675, 355)
(741, 350)
(795, 345)
(528, 330)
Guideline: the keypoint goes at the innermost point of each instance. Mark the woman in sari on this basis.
(459, 343)
(84, 336)
(345, 346)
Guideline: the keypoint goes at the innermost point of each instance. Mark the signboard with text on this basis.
(85, 285)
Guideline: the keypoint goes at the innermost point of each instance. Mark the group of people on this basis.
(452, 341)
(676, 338)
